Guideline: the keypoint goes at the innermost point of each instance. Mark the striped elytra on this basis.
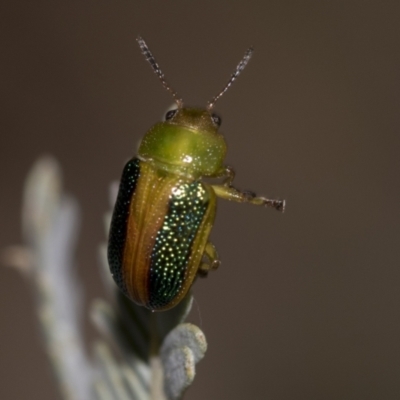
(159, 229)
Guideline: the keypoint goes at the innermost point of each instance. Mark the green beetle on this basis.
(158, 242)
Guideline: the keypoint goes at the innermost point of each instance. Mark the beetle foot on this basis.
(278, 204)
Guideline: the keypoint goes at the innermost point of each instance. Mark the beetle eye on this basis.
(216, 119)
(170, 114)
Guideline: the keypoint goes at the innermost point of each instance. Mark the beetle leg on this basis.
(228, 174)
(211, 252)
(233, 194)
(212, 260)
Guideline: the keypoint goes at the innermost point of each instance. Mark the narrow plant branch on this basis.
(141, 355)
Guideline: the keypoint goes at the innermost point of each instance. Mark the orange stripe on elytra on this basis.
(132, 233)
(134, 268)
(147, 211)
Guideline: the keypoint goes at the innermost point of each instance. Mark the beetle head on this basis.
(188, 141)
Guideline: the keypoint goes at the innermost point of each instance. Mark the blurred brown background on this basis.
(306, 304)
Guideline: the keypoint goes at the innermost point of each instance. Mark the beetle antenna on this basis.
(156, 68)
(238, 70)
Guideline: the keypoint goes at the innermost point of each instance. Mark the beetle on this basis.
(164, 212)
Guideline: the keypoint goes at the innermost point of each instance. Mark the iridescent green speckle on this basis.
(169, 259)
